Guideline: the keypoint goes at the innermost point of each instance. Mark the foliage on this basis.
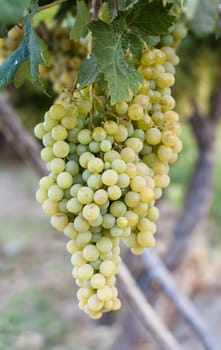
(136, 22)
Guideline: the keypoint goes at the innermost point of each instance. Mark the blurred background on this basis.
(38, 305)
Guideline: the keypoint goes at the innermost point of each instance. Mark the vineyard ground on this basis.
(37, 295)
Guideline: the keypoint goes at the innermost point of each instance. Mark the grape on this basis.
(90, 253)
(85, 195)
(109, 177)
(59, 221)
(104, 245)
(138, 184)
(41, 196)
(114, 192)
(39, 131)
(57, 111)
(145, 239)
(105, 293)
(81, 224)
(121, 134)
(70, 231)
(105, 146)
(108, 221)
(94, 181)
(97, 281)
(107, 268)
(55, 193)
(91, 211)
(61, 149)
(132, 199)
(135, 111)
(127, 155)
(84, 106)
(111, 127)
(64, 180)
(84, 136)
(59, 133)
(121, 107)
(95, 165)
(85, 271)
(47, 154)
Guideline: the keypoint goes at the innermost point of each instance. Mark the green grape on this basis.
(59, 133)
(135, 111)
(95, 165)
(61, 149)
(109, 177)
(39, 131)
(64, 180)
(100, 197)
(110, 127)
(91, 211)
(84, 136)
(55, 193)
(57, 111)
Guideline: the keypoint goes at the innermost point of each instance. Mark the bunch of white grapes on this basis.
(65, 58)
(107, 166)
(10, 43)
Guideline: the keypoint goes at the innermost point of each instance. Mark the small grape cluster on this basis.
(10, 43)
(108, 164)
(65, 58)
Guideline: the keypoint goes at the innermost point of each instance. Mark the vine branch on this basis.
(144, 311)
(159, 273)
(57, 2)
(96, 4)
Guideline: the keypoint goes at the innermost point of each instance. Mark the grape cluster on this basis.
(108, 164)
(10, 43)
(65, 58)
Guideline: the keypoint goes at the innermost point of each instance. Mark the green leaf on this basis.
(108, 48)
(150, 18)
(31, 48)
(22, 73)
(88, 72)
(83, 17)
(206, 17)
(11, 13)
(134, 43)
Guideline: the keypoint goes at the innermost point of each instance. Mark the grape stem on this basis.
(57, 2)
(92, 111)
(116, 6)
(73, 88)
(96, 4)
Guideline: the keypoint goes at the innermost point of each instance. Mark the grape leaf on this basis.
(150, 18)
(83, 16)
(88, 72)
(11, 13)
(108, 48)
(177, 3)
(32, 49)
(206, 17)
(132, 41)
(22, 73)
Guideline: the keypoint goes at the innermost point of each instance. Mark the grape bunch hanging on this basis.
(108, 164)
